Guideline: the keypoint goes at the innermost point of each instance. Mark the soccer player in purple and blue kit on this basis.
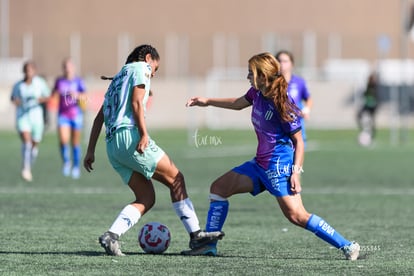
(70, 92)
(279, 157)
(297, 88)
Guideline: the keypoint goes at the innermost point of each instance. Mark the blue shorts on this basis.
(276, 181)
(75, 123)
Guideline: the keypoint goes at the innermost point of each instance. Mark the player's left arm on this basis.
(45, 92)
(298, 158)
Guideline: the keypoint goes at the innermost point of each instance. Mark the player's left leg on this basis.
(76, 153)
(37, 135)
(26, 139)
(292, 207)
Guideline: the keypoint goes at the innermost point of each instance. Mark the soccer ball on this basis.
(154, 238)
(365, 139)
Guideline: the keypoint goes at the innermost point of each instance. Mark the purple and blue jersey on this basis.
(298, 90)
(68, 91)
(273, 134)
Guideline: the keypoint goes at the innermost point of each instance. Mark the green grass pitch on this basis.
(51, 226)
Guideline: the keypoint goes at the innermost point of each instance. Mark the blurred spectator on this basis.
(366, 114)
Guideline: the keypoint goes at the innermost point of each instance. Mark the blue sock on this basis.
(323, 230)
(64, 152)
(216, 216)
(76, 155)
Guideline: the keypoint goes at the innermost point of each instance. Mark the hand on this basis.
(199, 101)
(142, 144)
(306, 113)
(88, 161)
(295, 186)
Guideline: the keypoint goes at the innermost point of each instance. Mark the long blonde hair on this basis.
(265, 64)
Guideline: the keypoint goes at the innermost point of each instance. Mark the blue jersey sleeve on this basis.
(305, 95)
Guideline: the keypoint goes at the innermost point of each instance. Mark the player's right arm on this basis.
(228, 103)
(93, 138)
(15, 96)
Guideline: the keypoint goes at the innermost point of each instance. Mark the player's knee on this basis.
(219, 189)
(146, 202)
(297, 218)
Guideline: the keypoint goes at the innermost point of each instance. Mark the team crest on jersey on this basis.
(295, 119)
(268, 115)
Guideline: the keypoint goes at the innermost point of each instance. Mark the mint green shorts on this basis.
(33, 124)
(124, 158)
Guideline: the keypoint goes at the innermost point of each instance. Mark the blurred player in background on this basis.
(297, 88)
(366, 114)
(135, 156)
(69, 91)
(279, 158)
(28, 95)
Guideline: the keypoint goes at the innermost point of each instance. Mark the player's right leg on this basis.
(123, 158)
(143, 190)
(225, 186)
(64, 133)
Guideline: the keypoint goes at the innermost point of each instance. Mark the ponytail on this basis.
(285, 106)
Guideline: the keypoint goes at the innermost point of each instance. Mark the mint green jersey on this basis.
(29, 95)
(117, 106)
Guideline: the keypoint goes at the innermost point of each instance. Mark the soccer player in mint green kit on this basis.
(135, 156)
(279, 157)
(28, 95)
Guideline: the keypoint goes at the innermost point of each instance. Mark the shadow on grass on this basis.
(97, 254)
(78, 253)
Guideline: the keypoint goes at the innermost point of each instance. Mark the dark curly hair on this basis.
(140, 52)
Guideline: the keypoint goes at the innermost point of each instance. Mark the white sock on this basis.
(26, 155)
(35, 153)
(185, 211)
(128, 217)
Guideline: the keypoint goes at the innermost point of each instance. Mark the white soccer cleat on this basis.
(66, 169)
(27, 175)
(76, 173)
(109, 241)
(351, 251)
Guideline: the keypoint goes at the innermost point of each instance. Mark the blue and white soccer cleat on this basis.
(206, 250)
(351, 251)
